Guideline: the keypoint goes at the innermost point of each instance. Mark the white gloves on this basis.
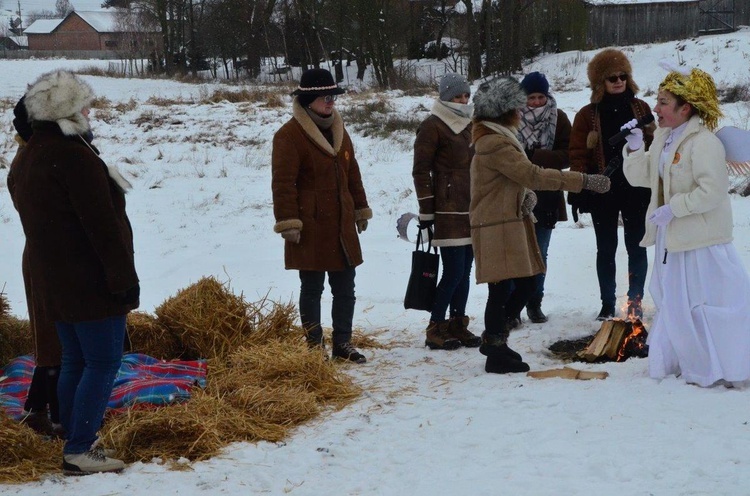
(635, 138)
(661, 216)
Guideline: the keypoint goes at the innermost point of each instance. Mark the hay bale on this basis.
(24, 456)
(150, 337)
(208, 319)
(15, 338)
(281, 405)
(289, 364)
(187, 430)
(277, 324)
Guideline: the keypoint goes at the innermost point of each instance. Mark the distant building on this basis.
(86, 31)
(14, 43)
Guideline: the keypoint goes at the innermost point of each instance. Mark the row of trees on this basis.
(483, 36)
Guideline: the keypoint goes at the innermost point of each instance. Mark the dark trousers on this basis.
(91, 358)
(342, 310)
(43, 392)
(453, 288)
(543, 236)
(506, 298)
(632, 203)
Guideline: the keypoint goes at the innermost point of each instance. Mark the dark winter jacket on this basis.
(550, 206)
(317, 188)
(47, 350)
(442, 163)
(79, 243)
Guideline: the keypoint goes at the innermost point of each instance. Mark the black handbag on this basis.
(420, 291)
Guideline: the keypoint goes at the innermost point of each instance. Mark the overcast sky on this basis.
(28, 6)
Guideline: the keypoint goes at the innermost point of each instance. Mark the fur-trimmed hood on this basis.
(497, 97)
(604, 64)
(59, 97)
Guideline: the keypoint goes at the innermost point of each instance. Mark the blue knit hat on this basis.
(535, 82)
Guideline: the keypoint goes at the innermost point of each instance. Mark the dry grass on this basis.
(207, 318)
(15, 334)
(263, 381)
(269, 97)
(24, 456)
(150, 337)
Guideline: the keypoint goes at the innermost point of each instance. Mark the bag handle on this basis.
(420, 241)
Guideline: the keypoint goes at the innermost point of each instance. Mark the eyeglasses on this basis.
(621, 77)
(330, 98)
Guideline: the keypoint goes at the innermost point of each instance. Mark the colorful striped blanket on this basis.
(142, 381)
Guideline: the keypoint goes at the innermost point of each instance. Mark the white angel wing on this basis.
(737, 146)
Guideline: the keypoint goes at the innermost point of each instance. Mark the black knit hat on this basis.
(21, 121)
(317, 82)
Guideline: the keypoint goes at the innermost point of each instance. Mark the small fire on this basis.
(634, 344)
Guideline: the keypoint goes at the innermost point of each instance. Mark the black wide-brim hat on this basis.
(317, 82)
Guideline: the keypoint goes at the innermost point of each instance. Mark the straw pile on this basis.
(15, 334)
(207, 318)
(24, 456)
(150, 337)
(263, 380)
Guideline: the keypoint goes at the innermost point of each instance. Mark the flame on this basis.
(637, 330)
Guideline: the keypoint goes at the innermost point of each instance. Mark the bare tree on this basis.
(63, 8)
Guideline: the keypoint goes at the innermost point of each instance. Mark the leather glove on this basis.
(529, 202)
(361, 225)
(635, 138)
(291, 235)
(597, 183)
(426, 224)
(130, 296)
(661, 216)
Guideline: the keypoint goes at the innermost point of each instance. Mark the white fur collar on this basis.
(504, 131)
(312, 130)
(455, 122)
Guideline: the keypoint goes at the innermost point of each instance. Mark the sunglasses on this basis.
(330, 98)
(621, 77)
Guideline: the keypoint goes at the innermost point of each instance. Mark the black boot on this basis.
(495, 345)
(606, 313)
(504, 364)
(534, 311)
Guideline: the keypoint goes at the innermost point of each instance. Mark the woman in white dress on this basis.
(701, 331)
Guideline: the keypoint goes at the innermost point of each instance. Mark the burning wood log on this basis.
(616, 340)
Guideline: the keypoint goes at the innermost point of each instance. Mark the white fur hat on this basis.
(59, 96)
(497, 97)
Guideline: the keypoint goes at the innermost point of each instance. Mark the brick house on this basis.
(86, 31)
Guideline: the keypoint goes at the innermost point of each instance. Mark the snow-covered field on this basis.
(430, 422)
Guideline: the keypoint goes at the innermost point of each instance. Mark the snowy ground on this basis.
(429, 423)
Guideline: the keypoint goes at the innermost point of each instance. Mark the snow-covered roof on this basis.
(101, 21)
(22, 41)
(43, 26)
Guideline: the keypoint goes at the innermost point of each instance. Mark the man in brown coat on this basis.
(79, 246)
(320, 207)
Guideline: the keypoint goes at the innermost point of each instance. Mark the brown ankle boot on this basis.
(438, 337)
(458, 327)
